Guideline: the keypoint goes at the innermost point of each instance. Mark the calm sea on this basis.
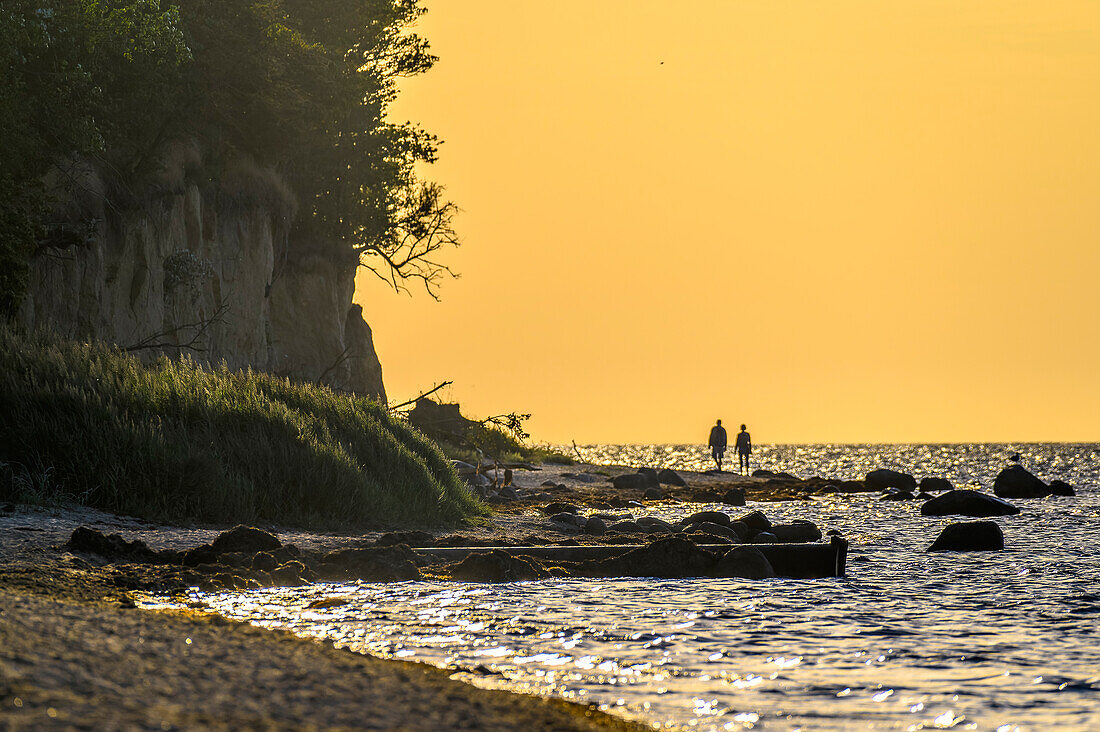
(908, 640)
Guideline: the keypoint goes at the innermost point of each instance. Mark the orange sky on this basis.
(842, 221)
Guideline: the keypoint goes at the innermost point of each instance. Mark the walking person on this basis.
(744, 449)
(717, 443)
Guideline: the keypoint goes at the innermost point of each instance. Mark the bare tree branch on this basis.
(200, 326)
(344, 356)
(414, 400)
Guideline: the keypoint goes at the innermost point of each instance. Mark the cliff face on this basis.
(208, 273)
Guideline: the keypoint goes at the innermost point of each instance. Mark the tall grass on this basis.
(175, 440)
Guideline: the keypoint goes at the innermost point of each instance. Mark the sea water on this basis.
(908, 640)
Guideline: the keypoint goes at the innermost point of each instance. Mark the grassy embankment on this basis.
(174, 441)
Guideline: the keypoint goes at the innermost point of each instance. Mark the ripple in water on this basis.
(909, 640)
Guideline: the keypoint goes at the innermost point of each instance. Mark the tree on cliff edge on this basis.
(300, 86)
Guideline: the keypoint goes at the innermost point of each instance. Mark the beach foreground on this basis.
(76, 653)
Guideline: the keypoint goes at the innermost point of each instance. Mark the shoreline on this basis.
(75, 651)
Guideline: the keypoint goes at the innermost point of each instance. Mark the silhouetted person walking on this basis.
(718, 443)
(744, 449)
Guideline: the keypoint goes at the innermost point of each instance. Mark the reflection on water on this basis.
(909, 640)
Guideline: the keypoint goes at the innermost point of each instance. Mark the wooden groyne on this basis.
(801, 561)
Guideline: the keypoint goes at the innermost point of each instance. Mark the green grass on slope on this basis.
(175, 440)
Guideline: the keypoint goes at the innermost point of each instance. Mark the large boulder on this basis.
(651, 475)
(970, 536)
(671, 477)
(668, 557)
(933, 484)
(631, 481)
(967, 503)
(394, 563)
(880, 480)
(497, 566)
(1016, 482)
(746, 562)
(796, 532)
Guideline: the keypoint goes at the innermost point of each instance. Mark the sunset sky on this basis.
(839, 221)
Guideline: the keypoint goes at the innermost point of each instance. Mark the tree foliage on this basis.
(302, 86)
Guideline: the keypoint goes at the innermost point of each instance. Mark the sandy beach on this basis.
(75, 652)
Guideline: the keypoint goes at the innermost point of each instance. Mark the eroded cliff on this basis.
(206, 268)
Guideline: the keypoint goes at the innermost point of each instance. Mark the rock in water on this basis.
(746, 562)
(880, 480)
(651, 475)
(631, 481)
(897, 496)
(970, 536)
(1061, 488)
(653, 494)
(671, 477)
(967, 503)
(734, 497)
(245, 539)
(497, 566)
(1016, 482)
(932, 485)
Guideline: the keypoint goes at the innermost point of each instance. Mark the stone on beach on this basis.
(651, 476)
(671, 477)
(880, 480)
(967, 503)
(631, 481)
(110, 546)
(568, 520)
(653, 494)
(595, 526)
(969, 536)
(559, 507)
(1016, 482)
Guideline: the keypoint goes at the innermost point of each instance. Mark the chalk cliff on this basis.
(207, 268)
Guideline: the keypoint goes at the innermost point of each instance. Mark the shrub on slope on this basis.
(176, 440)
